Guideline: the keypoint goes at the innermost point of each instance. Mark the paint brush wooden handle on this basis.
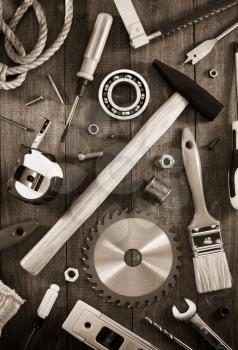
(192, 164)
(103, 185)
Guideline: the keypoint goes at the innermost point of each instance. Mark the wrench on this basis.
(192, 318)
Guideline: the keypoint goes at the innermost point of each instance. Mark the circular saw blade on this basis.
(130, 259)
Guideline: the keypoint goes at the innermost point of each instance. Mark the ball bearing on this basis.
(131, 78)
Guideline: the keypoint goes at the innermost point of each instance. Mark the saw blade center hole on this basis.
(133, 258)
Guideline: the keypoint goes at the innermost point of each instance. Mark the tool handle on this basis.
(104, 184)
(95, 46)
(48, 301)
(236, 67)
(233, 173)
(208, 333)
(193, 170)
(226, 32)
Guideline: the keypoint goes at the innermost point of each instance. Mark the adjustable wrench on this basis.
(192, 317)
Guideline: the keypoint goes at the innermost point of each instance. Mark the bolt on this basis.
(38, 99)
(82, 157)
(55, 88)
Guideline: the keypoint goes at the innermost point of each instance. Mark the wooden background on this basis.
(177, 211)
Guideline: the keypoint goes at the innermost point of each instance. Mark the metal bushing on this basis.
(131, 78)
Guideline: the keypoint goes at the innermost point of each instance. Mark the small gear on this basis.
(131, 260)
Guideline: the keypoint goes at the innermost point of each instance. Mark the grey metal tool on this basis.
(131, 259)
(207, 46)
(192, 317)
(169, 335)
(14, 234)
(15, 123)
(137, 34)
(49, 76)
(92, 57)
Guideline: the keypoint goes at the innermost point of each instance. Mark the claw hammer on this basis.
(188, 92)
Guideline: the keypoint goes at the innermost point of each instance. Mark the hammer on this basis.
(188, 92)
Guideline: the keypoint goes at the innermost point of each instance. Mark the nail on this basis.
(55, 88)
(15, 123)
(41, 98)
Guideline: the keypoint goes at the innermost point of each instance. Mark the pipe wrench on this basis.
(191, 317)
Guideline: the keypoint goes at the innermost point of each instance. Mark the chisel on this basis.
(233, 173)
(92, 57)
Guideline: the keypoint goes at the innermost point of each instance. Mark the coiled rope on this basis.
(15, 49)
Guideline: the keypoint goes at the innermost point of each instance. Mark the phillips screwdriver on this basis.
(43, 311)
(92, 57)
(233, 173)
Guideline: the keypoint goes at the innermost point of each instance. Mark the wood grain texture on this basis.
(177, 211)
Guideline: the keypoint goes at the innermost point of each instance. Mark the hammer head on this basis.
(199, 98)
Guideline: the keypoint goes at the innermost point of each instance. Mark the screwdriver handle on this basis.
(48, 301)
(95, 46)
(233, 174)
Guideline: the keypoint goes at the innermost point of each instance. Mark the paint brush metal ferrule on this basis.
(207, 241)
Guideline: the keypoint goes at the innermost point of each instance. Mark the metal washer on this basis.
(124, 76)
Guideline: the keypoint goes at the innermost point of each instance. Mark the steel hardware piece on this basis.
(71, 274)
(192, 318)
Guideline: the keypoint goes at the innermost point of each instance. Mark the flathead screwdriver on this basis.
(233, 173)
(92, 57)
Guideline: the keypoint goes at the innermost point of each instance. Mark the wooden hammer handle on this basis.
(103, 185)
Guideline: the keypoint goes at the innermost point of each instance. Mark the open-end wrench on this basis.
(192, 318)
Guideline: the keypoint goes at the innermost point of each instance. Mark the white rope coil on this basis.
(15, 49)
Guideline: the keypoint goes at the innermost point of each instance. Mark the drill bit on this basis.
(16, 124)
(169, 335)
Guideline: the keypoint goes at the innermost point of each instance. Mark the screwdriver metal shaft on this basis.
(169, 335)
(91, 59)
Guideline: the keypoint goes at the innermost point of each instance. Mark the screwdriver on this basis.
(92, 57)
(43, 311)
(233, 173)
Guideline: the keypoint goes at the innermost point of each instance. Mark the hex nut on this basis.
(71, 274)
(166, 162)
(213, 73)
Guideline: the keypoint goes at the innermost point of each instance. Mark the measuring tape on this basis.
(128, 77)
(37, 177)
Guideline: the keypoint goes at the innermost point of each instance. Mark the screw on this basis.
(211, 145)
(82, 157)
(16, 124)
(55, 88)
(41, 98)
